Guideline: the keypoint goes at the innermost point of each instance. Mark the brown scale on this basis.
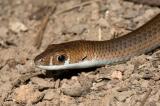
(142, 40)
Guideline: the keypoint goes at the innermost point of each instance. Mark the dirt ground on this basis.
(27, 27)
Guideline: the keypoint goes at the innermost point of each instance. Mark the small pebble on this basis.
(26, 94)
(17, 26)
(72, 88)
(42, 83)
(122, 96)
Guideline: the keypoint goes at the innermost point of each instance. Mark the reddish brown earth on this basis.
(134, 83)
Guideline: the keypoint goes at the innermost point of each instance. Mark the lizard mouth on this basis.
(79, 65)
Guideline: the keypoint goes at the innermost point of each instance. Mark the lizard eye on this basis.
(61, 58)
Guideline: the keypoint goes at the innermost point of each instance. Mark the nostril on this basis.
(37, 61)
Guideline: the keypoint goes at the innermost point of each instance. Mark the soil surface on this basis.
(27, 27)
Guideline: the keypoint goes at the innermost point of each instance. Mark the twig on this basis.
(43, 25)
(40, 33)
(76, 6)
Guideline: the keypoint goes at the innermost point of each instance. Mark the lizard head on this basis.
(70, 55)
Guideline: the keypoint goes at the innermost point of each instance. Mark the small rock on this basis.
(117, 75)
(124, 67)
(12, 63)
(42, 83)
(115, 5)
(57, 83)
(72, 88)
(76, 86)
(138, 60)
(147, 75)
(51, 94)
(97, 85)
(122, 96)
(67, 101)
(85, 82)
(26, 94)
(17, 26)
